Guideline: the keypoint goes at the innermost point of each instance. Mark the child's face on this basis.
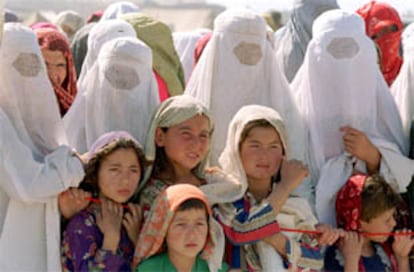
(119, 175)
(261, 154)
(185, 144)
(187, 233)
(385, 222)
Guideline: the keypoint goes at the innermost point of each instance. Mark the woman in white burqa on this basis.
(292, 40)
(36, 165)
(238, 68)
(403, 87)
(121, 93)
(353, 124)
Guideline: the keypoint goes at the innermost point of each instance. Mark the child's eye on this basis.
(113, 169)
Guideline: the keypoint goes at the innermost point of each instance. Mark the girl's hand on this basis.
(72, 201)
(132, 221)
(109, 220)
(328, 235)
(350, 245)
(292, 173)
(402, 244)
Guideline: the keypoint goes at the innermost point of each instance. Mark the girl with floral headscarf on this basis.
(364, 205)
(60, 66)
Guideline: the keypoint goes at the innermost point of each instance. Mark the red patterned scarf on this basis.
(52, 39)
(377, 16)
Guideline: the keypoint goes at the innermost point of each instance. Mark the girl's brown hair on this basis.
(90, 181)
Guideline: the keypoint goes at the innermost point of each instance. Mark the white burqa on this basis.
(238, 68)
(340, 84)
(121, 94)
(35, 166)
(101, 33)
(117, 9)
(185, 43)
(291, 41)
(403, 87)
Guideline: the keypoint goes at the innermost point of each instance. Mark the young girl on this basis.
(178, 234)
(104, 234)
(177, 146)
(367, 204)
(256, 153)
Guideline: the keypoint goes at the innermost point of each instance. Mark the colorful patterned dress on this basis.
(82, 242)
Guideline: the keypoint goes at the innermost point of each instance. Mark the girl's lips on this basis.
(191, 245)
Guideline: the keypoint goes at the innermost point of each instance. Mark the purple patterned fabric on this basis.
(82, 242)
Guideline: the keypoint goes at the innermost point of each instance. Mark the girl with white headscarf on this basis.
(121, 94)
(352, 121)
(257, 154)
(237, 68)
(32, 136)
(291, 41)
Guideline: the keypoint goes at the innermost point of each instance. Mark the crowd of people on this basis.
(125, 146)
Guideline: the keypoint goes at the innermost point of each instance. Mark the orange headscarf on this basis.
(52, 39)
(378, 15)
(159, 219)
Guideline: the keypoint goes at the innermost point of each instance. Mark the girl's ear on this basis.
(159, 137)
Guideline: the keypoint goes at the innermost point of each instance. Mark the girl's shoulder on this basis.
(83, 219)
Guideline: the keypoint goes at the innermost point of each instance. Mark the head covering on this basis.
(238, 68)
(291, 45)
(403, 87)
(53, 40)
(10, 16)
(107, 138)
(94, 17)
(185, 43)
(70, 22)
(100, 34)
(40, 25)
(121, 93)
(79, 46)
(156, 226)
(117, 9)
(378, 15)
(349, 211)
(341, 55)
(171, 112)
(230, 158)
(158, 37)
(200, 45)
(26, 94)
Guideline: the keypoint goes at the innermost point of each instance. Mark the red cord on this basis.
(368, 234)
